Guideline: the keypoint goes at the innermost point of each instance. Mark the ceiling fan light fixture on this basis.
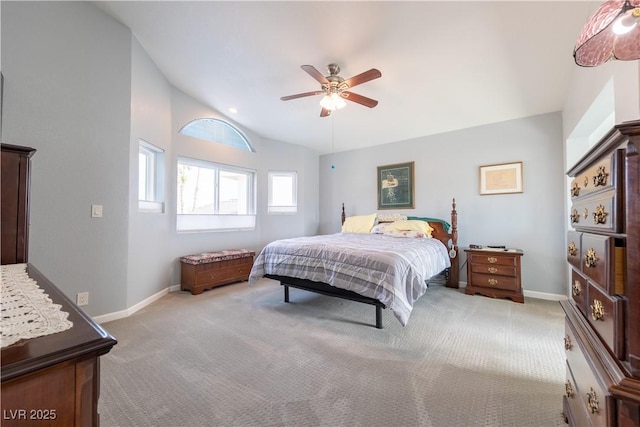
(332, 101)
(626, 21)
(611, 33)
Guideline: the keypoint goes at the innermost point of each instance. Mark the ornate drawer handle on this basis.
(592, 398)
(585, 213)
(600, 216)
(573, 249)
(600, 178)
(590, 258)
(597, 310)
(493, 282)
(567, 342)
(568, 390)
(492, 270)
(575, 189)
(492, 260)
(585, 181)
(576, 289)
(575, 216)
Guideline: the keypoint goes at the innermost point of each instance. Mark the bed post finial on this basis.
(454, 273)
(343, 217)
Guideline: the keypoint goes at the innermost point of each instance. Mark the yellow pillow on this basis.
(359, 223)
(411, 225)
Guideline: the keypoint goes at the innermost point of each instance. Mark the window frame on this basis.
(216, 221)
(219, 127)
(152, 201)
(290, 209)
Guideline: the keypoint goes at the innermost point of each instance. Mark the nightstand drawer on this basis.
(497, 282)
(499, 270)
(491, 258)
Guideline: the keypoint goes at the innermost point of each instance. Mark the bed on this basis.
(388, 269)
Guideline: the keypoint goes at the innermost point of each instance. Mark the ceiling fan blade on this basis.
(324, 112)
(363, 100)
(302, 95)
(363, 77)
(313, 72)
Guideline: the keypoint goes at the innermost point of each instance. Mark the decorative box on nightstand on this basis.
(494, 273)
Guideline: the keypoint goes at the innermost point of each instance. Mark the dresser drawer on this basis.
(574, 248)
(578, 413)
(492, 258)
(496, 282)
(603, 212)
(579, 289)
(606, 315)
(587, 388)
(605, 174)
(500, 270)
(596, 259)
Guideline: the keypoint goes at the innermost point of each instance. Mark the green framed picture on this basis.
(396, 186)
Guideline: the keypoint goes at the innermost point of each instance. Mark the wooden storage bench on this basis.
(210, 269)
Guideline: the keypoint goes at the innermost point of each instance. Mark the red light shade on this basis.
(598, 43)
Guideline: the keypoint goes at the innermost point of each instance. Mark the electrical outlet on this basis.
(82, 298)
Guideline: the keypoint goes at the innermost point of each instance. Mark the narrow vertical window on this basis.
(283, 198)
(150, 177)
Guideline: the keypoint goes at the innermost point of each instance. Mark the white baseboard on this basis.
(142, 304)
(544, 295)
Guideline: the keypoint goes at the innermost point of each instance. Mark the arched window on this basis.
(217, 130)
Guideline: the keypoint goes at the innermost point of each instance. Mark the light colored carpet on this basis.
(240, 356)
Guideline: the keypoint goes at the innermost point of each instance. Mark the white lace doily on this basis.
(27, 312)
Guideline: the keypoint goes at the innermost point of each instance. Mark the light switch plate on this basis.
(96, 211)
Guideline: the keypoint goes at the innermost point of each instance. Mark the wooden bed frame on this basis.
(450, 240)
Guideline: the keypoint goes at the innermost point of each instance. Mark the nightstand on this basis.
(494, 273)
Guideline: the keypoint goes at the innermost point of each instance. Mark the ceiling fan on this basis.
(336, 89)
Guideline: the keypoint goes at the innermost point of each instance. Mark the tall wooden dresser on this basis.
(50, 380)
(602, 330)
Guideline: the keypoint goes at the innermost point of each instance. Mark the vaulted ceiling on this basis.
(445, 65)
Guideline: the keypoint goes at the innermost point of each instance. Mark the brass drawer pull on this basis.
(493, 282)
(592, 399)
(567, 342)
(575, 216)
(590, 258)
(492, 270)
(576, 289)
(585, 213)
(597, 310)
(492, 259)
(601, 178)
(568, 390)
(600, 216)
(573, 249)
(575, 189)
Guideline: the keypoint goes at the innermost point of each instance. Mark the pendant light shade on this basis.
(613, 32)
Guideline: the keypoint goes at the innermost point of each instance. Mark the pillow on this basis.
(359, 223)
(408, 233)
(411, 225)
(380, 228)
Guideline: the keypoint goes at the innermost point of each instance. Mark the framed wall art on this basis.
(396, 186)
(504, 178)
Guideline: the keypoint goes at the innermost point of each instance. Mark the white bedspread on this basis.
(392, 270)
